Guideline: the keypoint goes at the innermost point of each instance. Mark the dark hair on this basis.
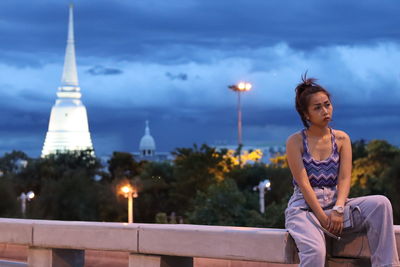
(304, 90)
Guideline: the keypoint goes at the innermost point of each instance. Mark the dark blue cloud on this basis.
(136, 31)
(178, 76)
(100, 70)
(121, 129)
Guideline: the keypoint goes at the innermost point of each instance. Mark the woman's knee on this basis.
(378, 203)
(382, 201)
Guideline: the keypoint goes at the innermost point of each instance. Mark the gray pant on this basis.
(375, 217)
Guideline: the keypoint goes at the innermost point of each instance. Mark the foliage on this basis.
(154, 196)
(359, 149)
(246, 157)
(123, 165)
(64, 186)
(279, 161)
(161, 217)
(275, 214)
(8, 204)
(221, 204)
(391, 180)
(202, 185)
(250, 176)
(72, 197)
(195, 169)
(11, 162)
(368, 170)
(111, 207)
(377, 171)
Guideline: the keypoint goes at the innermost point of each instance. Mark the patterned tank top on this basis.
(321, 172)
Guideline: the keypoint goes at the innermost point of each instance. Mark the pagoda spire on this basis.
(69, 82)
(147, 129)
(68, 125)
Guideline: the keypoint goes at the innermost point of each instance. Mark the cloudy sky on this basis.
(170, 62)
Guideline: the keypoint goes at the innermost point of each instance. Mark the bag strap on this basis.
(322, 228)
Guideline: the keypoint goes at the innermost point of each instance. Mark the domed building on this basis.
(147, 148)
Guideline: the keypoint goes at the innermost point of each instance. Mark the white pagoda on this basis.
(68, 125)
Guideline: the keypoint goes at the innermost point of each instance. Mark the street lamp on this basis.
(130, 193)
(239, 88)
(261, 187)
(25, 197)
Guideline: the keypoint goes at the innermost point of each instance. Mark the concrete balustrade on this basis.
(356, 245)
(236, 243)
(62, 243)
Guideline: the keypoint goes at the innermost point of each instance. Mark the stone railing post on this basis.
(142, 260)
(48, 257)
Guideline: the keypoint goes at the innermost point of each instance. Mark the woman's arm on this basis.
(345, 168)
(343, 187)
(295, 161)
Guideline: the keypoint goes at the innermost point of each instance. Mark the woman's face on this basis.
(319, 110)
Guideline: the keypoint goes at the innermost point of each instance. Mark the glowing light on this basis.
(268, 185)
(130, 193)
(30, 195)
(241, 87)
(126, 189)
(244, 86)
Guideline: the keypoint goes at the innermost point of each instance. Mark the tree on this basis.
(221, 204)
(359, 149)
(64, 185)
(246, 157)
(391, 182)
(111, 207)
(275, 213)
(123, 165)
(154, 196)
(250, 176)
(279, 160)
(368, 170)
(13, 162)
(8, 204)
(72, 197)
(195, 169)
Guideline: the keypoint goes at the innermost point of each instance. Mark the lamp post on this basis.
(261, 187)
(25, 197)
(130, 193)
(239, 88)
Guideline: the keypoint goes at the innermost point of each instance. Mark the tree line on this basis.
(202, 185)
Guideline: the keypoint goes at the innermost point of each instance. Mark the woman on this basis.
(320, 161)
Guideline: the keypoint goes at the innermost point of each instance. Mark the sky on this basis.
(171, 62)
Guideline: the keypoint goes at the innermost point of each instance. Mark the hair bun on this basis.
(307, 81)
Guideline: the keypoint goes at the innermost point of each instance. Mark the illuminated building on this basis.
(68, 126)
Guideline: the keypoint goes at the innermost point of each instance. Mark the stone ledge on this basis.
(356, 245)
(221, 242)
(16, 231)
(86, 235)
(69, 234)
(239, 243)
(236, 243)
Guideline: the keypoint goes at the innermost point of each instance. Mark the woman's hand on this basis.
(325, 221)
(335, 223)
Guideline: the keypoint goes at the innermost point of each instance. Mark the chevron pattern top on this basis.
(321, 172)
